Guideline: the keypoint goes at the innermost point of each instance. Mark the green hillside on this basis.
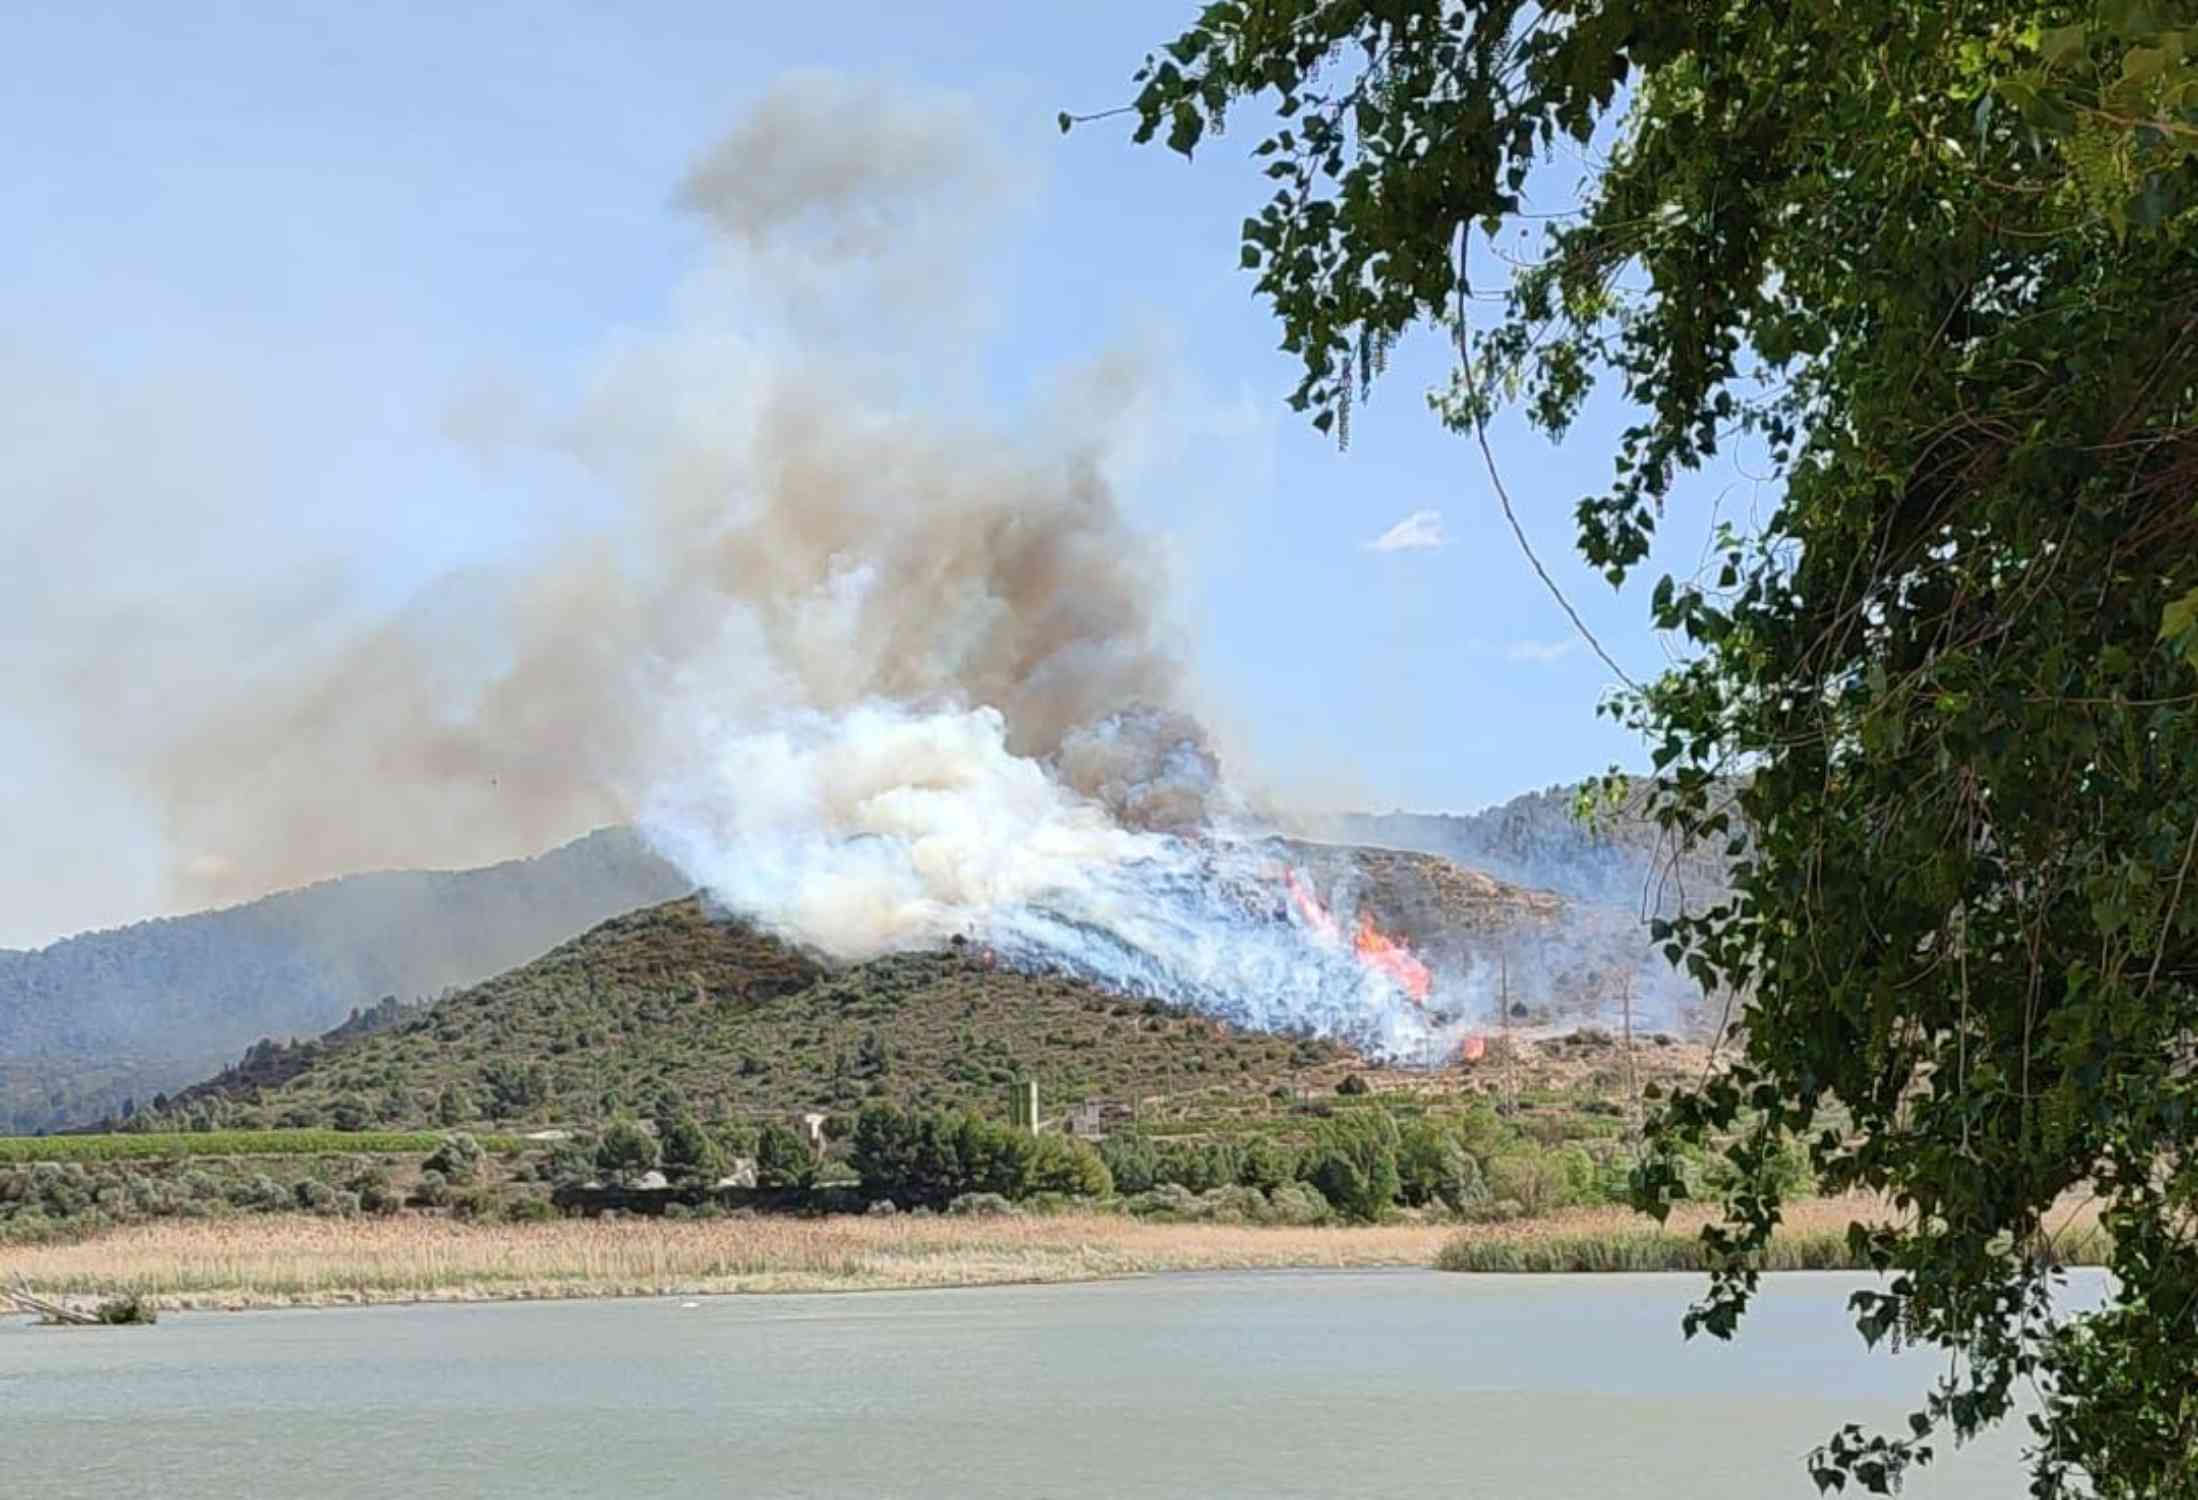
(744, 1027)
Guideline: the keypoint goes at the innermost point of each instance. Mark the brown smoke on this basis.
(789, 528)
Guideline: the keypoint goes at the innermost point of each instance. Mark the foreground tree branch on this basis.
(1937, 266)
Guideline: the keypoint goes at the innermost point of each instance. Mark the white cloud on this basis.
(1541, 651)
(1422, 528)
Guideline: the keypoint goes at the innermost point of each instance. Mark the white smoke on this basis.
(878, 662)
(880, 828)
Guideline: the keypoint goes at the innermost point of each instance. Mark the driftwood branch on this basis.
(52, 1312)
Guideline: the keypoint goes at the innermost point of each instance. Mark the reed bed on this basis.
(1811, 1237)
(299, 1260)
(294, 1261)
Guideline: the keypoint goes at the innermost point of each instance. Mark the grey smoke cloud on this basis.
(786, 521)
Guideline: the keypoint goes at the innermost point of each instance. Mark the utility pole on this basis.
(1510, 1050)
(1625, 1010)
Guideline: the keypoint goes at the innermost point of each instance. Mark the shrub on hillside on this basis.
(1291, 1203)
(1132, 1160)
(329, 1202)
(783, 1159)
(1536, 1180)
(1266, 1164)
(625, 1151)
(689, 1154)
(375, 1192)
(1353, 1163)
(930, 1159)
(458, 1158)
(1433, 1167)
(1061, 1165)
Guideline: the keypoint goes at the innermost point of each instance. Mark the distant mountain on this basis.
(1618, 858)
(90, 1021)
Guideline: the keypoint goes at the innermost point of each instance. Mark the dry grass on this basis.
(1812, 1236)
(279, 1261)
(289, 1261)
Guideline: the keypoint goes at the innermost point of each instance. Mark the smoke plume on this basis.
(871, 661)
(791, 508)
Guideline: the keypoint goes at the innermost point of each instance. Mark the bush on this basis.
(1132, 1161)
(1433, 1167)
(1168, 1201)
(1061, 1165)
(928, 1160)
(375, 1192)
(1536, 1180)
(128, 1309)
(328, 1202)
(688, 1152)
(1337, 1178)
(1354, 1164)
(433, 1191)
(1354, 1083)
(569, 1163)
(626, 1151)
(458, 1158)
(1266, 1164)
(1291, 1203)
(1295, 1203)
(735, 1137)
(981, 1206)
(783, 1159)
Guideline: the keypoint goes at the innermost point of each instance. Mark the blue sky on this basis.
(321, 230)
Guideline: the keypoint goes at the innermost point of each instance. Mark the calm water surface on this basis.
(1269, 1384)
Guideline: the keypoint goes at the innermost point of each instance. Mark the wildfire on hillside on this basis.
(1375, 949)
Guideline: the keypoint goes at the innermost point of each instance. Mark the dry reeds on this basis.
(296, 1260)
(1811, 1237)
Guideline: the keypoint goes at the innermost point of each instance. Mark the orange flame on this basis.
(1375, 948)
(1378, 950)
(1309, 907)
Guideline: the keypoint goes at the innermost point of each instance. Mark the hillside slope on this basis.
(92, 1020)
(742, 1026)
(1619, 859)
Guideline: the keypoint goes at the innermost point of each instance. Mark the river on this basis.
(1263, 1384)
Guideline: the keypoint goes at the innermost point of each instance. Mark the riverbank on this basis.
(302, 1260)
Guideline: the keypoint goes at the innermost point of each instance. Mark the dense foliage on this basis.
(1932, 269)
(931, 1158)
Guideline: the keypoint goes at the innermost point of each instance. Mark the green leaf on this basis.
(2142, 63)
(2061, 43)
